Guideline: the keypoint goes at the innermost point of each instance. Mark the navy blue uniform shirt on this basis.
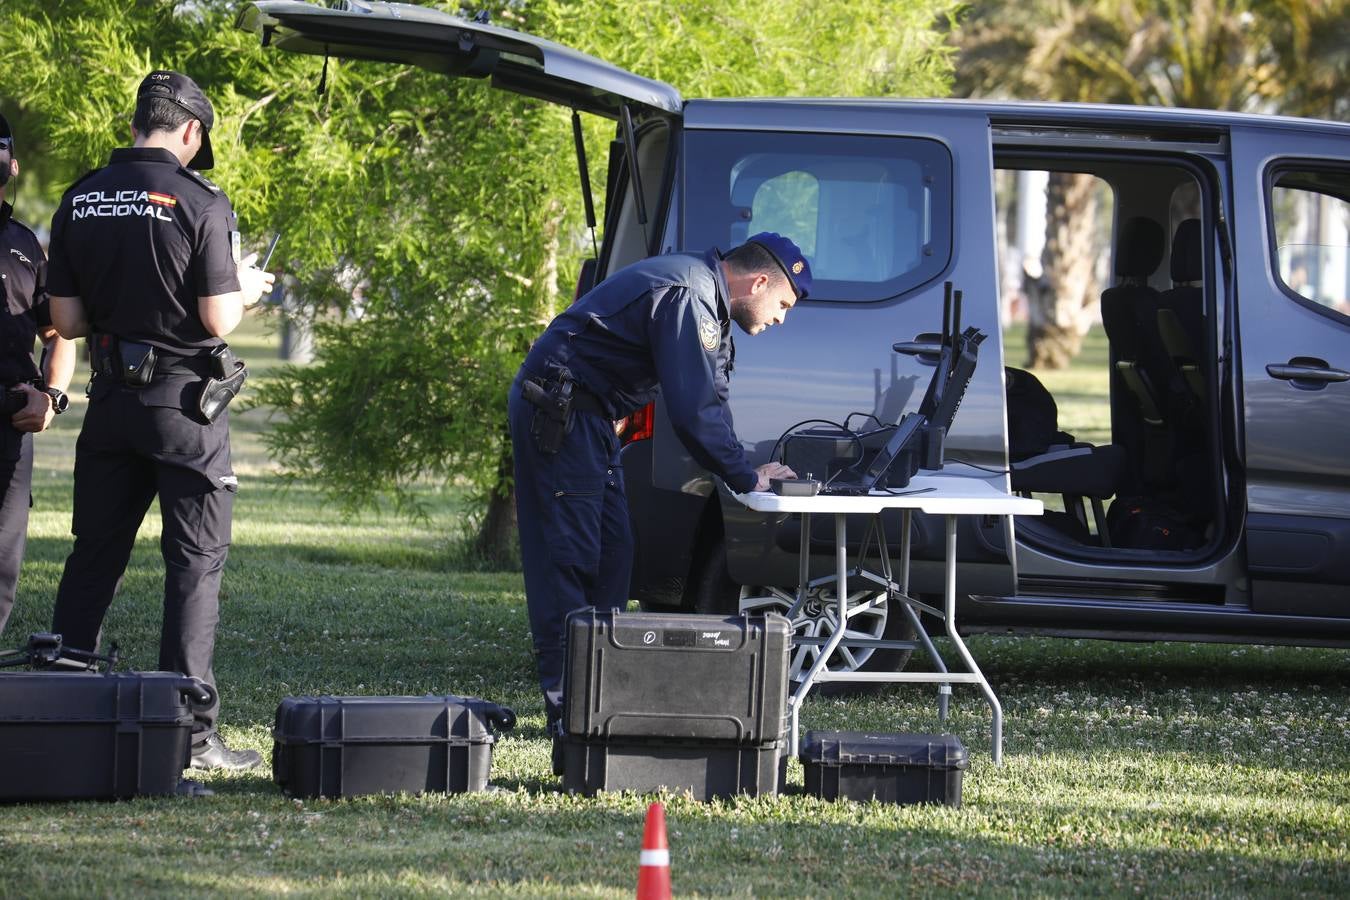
(660, 324)
(138, 241)
(23, 287)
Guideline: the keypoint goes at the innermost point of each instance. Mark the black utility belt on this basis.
(136, 364)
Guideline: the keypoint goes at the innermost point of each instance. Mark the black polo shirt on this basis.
(23, 286)
(138, 241)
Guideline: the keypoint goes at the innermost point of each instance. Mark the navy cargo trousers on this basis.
(576, 541)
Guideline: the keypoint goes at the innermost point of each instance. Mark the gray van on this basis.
(1217, 505)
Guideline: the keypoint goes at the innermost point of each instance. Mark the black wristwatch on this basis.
(59, 399)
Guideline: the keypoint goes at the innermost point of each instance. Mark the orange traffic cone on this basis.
(654, 869)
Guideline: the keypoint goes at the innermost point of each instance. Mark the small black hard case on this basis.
(92, 736)
(350, 746)
(892, 768)
(683, 702)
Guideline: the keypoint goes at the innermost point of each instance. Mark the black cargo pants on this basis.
(131, 449)
(576, 542)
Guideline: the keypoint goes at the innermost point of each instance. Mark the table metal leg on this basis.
(841, 585)
(944, 690)
(950, 604)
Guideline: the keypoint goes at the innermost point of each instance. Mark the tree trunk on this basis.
(495, 543)
(1062, 303)
(496, 540)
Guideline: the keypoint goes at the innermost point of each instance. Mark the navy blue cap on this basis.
(183, 92)
(789, 257)
(5, 131)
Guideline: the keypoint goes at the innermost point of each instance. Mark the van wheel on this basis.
(870, 618)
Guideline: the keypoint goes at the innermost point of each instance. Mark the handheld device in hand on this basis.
(267, 257)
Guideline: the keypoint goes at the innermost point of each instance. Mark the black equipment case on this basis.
(349, 746)
(86, 735)
(683, 702)
(892, 768)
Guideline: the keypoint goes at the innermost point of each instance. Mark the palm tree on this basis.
(1290, 56)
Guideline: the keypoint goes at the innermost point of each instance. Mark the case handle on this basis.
(198, 692)
(502, 718)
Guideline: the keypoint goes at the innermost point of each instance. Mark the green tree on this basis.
(1288, 56)
(430, 224)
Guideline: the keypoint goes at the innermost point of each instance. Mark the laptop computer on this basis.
(851, 481)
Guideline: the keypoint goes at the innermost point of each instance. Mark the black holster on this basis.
(227, 378)
(553, 410)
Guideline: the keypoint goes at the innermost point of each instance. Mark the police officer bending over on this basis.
(145, 261)
(30, 397)
(661, 323)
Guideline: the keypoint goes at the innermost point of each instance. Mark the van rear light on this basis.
(637, 425)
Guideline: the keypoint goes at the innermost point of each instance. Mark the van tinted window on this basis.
(871, 214)
(1310, 225)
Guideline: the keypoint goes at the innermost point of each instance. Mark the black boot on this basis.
(213, 754)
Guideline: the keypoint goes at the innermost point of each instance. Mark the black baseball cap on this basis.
(6, 134)
(183, 92)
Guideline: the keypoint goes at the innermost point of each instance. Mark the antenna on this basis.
(946, 312)
(956, 317)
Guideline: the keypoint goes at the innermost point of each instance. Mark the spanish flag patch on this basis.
(161, 199)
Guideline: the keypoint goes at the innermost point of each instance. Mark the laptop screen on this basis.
(881, 463)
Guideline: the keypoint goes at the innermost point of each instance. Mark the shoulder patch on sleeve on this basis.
(709, 334)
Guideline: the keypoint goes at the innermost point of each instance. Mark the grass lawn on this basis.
(1129, 768)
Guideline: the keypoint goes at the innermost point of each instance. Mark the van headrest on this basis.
(1188, 258)
(1139, 249)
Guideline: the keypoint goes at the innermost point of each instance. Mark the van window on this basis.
(871, 214)
(1310, 226)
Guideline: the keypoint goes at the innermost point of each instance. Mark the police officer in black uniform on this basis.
(30, 397)
(661, 323)
(145, 261)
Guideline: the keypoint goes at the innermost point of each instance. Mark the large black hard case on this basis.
(84, 735)
(680, 702)
(679, 677)
(350, 746)
(707, 770)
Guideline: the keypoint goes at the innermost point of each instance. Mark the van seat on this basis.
(1181, 310)
(1049, 461)
(1129, 314)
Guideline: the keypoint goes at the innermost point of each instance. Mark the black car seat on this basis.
(1181, 310)
(1181, 337)
(1129, 313)
(1049, 461)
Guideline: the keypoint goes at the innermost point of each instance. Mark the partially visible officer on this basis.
(663, 323)
(145, 261)
(31, 397)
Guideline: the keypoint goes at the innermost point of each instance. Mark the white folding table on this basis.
(945, 495)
